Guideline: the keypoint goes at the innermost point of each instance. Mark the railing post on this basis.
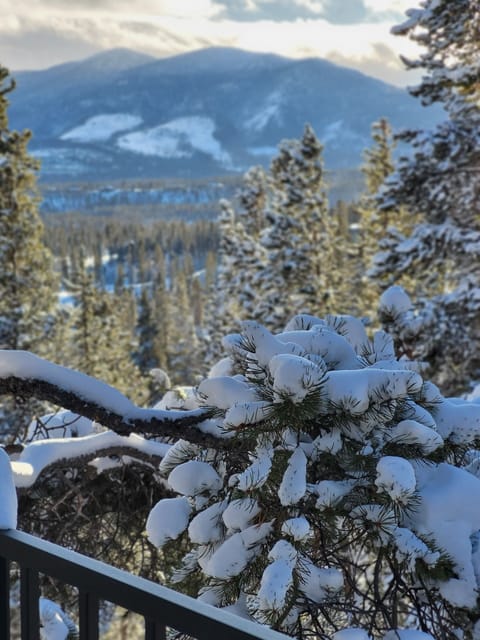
(29, 596)
(154, 630)
(88, 616)
(4, 598)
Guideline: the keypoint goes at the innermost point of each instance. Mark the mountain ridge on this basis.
(123, 114)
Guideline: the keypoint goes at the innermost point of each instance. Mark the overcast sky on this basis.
(40, 33)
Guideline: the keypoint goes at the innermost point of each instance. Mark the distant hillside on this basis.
(121, 114)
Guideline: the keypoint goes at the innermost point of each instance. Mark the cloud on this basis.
(53, 31)
(334, 11)
(271, 10)
(193, 8)
(381, 62)
(42, 48)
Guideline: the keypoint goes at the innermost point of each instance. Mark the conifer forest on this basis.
(269, 401)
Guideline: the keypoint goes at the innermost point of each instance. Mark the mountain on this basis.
(121, 114)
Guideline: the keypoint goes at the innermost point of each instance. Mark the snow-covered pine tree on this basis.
(300, 239)
(440, 179)
(336, 497)
(233, 295)
(27, 282)
(27, 286)
(278, 250)
(375, 224)
(253, 197)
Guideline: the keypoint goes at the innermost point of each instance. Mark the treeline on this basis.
(168, 269)
(131, 245)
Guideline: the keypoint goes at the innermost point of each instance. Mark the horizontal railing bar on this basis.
(151, 600)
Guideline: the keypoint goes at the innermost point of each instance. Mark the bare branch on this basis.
(43, 456)
(25, 375)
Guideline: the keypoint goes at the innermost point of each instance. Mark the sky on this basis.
(36, 34)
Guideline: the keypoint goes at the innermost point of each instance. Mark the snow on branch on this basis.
(23, 374)
(43, 455)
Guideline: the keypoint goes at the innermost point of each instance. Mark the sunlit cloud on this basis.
(39, 33)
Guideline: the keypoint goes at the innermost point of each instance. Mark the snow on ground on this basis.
(102, 127)
(65, 160)
(337, 134)
(260, 120)
(179, 138)
(269, 112)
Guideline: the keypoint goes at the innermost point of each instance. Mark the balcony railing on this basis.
(161, 607)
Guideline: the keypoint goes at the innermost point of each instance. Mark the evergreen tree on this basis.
(210, 269)
(339, 498)
(282, 251)
(146, 329)
(253, 198)
(378, 228)
(183, 367)
(440, 180)
(102, 339)
(299, 274)
(234, 294)
(27, 283)
(379, 158)
(162, 328)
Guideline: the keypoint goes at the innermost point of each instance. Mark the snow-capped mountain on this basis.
(123, 114)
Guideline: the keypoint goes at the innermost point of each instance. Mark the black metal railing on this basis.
(161, 607)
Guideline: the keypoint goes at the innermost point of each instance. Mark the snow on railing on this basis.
(161, 607)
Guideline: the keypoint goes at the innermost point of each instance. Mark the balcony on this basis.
(163, 609)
